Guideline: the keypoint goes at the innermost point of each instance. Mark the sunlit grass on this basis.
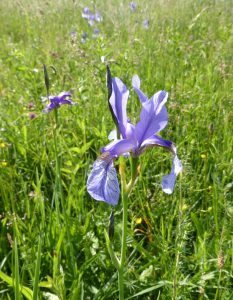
(179, 246)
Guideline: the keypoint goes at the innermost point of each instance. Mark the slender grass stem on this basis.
(16, 271)
(123, 244)
(59, 193)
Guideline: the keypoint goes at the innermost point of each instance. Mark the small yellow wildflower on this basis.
(3, 163)
(138, 220)
(3, 145)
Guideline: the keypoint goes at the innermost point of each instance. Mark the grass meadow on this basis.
(52, 242)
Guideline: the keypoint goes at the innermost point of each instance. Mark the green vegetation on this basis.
(52, 240)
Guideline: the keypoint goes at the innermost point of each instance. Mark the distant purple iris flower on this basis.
(96, 32)
(86, 13)
(91, 20)
(146, 23)
(98, 17)
(57, 101)
(133, 6)
(84, 37)
(102, 183)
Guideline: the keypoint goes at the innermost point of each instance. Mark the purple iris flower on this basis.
(86, 13)
(57, 101)
(146, 23)
(102, 183)
(84, 37)
(133, 6)
(96, 32)
(98, 17)
(91, 20)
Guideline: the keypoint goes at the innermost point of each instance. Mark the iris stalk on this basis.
(125, 192)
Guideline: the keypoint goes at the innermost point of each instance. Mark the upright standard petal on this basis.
(136, 85)
(153, 117)
(118, 102)
(102, 183)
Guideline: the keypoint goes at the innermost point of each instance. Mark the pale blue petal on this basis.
(156, 140)
(119, 147)
(118, 102)
(112, 135)
(102, 183)
(136, 85)
(168, 181)
(153, 117)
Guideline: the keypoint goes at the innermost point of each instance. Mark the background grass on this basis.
(179, 246)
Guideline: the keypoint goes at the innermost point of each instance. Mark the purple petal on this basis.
(64, 94)
(66, 101)
(96, 32)
(136, 85)
(102, 183)
(50, 107)
(119, 147)
(133, 6)
(157, 141)
(86, 13)
(146, 23)
(91, 20)
(153, 117)
(84, 37)
(112, 135)
(118, 102)
(130, 132)
(98, 17)
(86, 10)
(168, 181)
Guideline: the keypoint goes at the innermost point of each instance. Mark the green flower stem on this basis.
(134, 174)
(125, 191)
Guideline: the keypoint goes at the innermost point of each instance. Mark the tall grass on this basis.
(179, 246)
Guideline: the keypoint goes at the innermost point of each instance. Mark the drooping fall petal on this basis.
(102, 183)
(168, 181)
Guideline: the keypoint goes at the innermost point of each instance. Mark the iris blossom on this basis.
(102, 183)
(146, 23)
(57, 101)
(98, 17)
(86, 13)
(84, 37)
(96, 33)
(133, 6)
